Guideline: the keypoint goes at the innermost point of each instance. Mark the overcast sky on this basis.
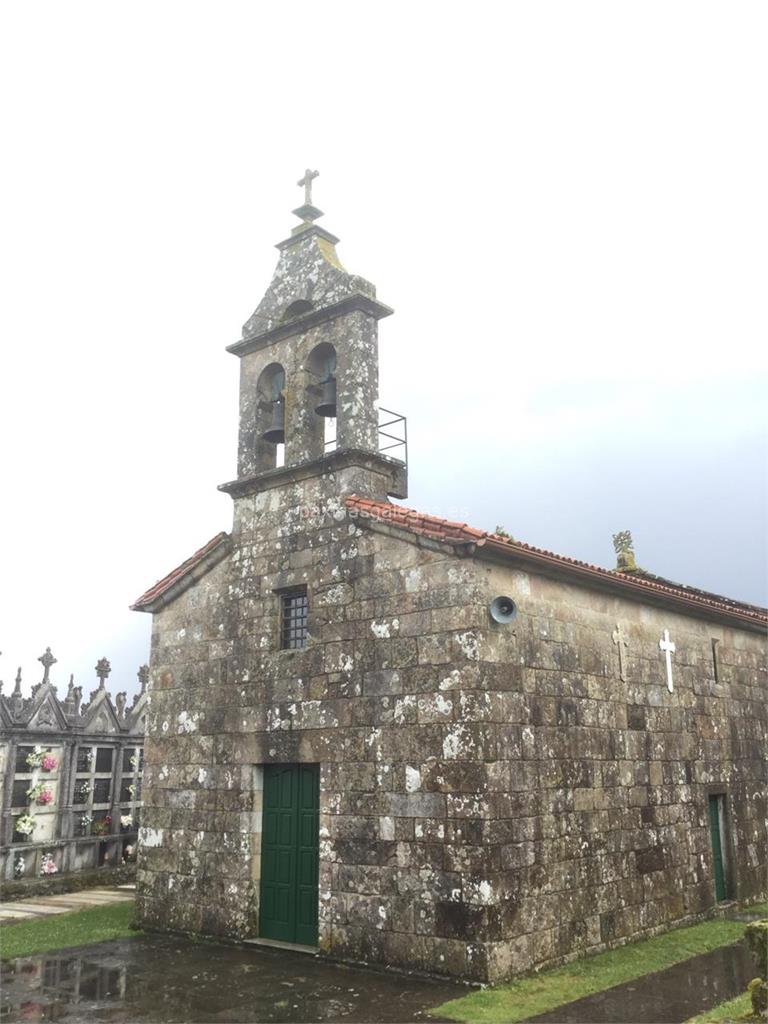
(564, 202)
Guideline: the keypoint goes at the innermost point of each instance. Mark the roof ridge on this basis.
(438, 528)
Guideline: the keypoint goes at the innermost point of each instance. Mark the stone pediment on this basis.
(137, 716)
(45, 712)
(308, 279)
(100, 716)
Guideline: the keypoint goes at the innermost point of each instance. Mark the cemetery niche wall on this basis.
(70, 776)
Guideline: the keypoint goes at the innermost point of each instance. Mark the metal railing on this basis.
(388, 441)
(397, 422)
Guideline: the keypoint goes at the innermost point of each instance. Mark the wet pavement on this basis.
(163, 978)
(64, 903)
(664, 997)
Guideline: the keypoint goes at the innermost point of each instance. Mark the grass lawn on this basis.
(733, 1009)
(526, 997)
(58, 931)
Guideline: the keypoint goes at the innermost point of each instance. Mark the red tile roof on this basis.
(159, 589)
(639, 585)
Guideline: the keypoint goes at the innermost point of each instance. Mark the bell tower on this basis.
(309, 357)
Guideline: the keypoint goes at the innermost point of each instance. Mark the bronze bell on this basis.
(326, 405)
(275, 432)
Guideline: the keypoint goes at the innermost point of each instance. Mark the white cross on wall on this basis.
(666, 645)
(621, 642)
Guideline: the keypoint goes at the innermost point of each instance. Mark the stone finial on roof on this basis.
(625, 552)
(103, 668)
(47, 660)
(120, 701)
(16, 701)
(67, 701)
(77, 697)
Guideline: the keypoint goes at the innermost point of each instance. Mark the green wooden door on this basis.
(289, 853)
(715, 817)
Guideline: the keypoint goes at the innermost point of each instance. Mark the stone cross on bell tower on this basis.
(309, 371)
(307, 212)
(306, 184)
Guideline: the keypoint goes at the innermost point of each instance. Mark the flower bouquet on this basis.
(82, 790)
(126, 822)
(40, 794)
(25, 824)
(103, 827)
(49, 763)
(84, 824)
(48, 865)
(35, 759)
(18, 866)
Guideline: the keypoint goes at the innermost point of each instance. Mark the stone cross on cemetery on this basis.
(306, 184)
(143, 676)
(621, 642)
(47, 660)
(103, 668)
(666, 645)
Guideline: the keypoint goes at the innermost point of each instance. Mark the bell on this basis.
(326, 405)
(275, 433)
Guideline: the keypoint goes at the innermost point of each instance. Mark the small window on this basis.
(104, 759)
(22, 753)
(19, 797)
(84, 759)
(101, 790)
(294, 614)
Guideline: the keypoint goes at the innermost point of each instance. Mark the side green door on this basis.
(289, 853)
(721, 892)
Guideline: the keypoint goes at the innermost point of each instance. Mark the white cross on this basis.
(666, 645)
(621, 642)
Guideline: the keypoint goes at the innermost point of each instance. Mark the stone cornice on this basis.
(339, 459)
(358, 302)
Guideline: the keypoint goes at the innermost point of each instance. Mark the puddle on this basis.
(665, 997)
(162, 978)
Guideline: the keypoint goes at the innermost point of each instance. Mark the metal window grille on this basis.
(295, 611)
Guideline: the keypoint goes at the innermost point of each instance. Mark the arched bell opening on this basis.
(322, 390)
(297, 308)
(270, 416)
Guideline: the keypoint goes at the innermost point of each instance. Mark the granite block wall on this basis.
(493, 798)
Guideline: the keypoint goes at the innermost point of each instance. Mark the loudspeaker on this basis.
(503, 610)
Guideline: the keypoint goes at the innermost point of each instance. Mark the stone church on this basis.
(402, 740)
